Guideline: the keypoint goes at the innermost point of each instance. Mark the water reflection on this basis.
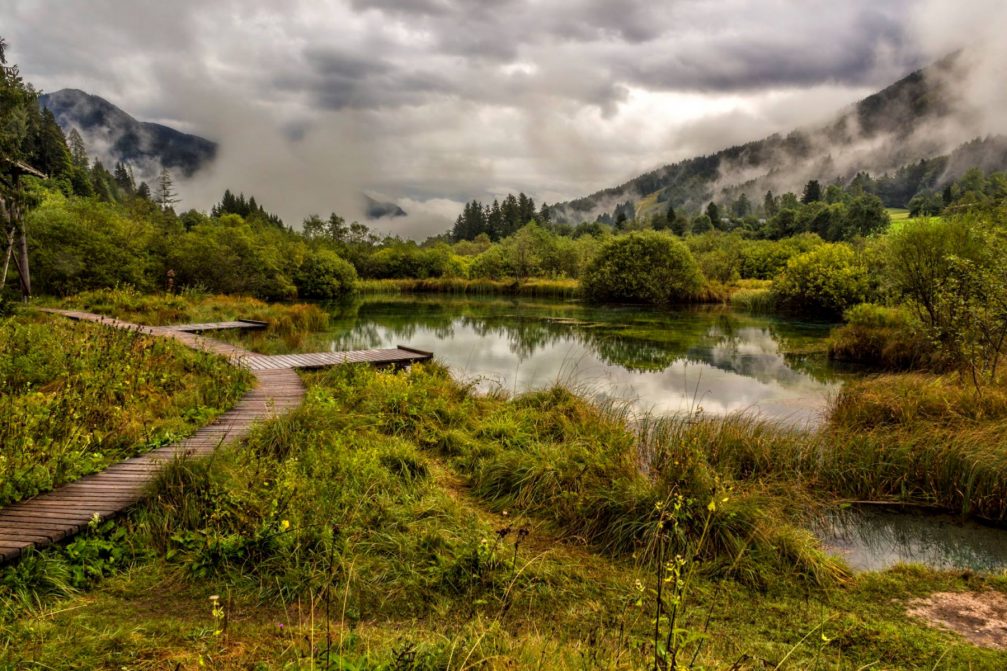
(665, 361)
(873, 540)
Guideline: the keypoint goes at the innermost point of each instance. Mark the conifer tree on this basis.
(166, 198)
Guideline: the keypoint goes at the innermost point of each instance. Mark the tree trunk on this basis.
(6, 260)
(23, 264)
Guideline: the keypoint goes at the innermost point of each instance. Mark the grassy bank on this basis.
(197, 307)
(537, 288)
(708, 293)
(398, 521)
(76, 397)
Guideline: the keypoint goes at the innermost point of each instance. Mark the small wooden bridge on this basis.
(67, 510)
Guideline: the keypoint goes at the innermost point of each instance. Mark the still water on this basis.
(872, 539)
(706, 359)
(710, 360)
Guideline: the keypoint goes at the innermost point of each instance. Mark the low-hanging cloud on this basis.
(435, 102)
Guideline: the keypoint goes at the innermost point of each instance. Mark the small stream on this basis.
(875, 538)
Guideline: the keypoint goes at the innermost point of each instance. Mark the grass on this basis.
(883, 338)
(919, 439)
(753, 296)
(76, 397)
(397, 521)
(198, 307)
(534, 287)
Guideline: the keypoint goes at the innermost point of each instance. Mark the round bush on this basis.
(645, 267)
(325, 275)
(823, 282)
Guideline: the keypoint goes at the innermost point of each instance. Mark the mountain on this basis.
(111, 135)
(376, 209)
(916, 129)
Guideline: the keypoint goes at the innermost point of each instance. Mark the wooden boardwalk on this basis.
(401, 356)
(248, 324)
(52, 517)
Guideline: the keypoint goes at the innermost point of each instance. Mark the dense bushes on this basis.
(952, 274)
(82, 244)
(823, 282)
(231, 257)
(324, 275)
(409, 261)
(646, 267)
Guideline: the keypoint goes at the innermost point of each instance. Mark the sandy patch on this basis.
(981, 617)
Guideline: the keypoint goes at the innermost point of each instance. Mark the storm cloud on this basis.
(433, 102)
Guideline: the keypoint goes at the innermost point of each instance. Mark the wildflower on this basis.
(284, 525)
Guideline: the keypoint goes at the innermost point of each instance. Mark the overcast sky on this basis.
(432, 102)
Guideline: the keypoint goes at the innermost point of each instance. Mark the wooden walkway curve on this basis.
(67, 510)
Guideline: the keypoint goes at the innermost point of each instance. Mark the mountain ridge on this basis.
(888, 131)
(112, 135)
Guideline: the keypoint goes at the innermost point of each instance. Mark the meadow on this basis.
(399, 521)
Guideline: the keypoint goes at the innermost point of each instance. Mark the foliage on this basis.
(248, 210)
(890, 338)
(76, 397)
(825, 281)
(83, 244)
(232, 257)
(196, 307)
(950, 272)
(533, 287)
(646, 267)
(323, 275)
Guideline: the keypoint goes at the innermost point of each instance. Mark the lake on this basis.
(707, 359)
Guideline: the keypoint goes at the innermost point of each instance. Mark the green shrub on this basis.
(82, 244)
(324, 275)
(233, 257)
(823, 282)
(885, 337)
(645, 267)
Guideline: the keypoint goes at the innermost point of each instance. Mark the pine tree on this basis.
(124, 178)
(713, 213)
(78, 152)
(166, 197)
(812, 192)
(544, 215)
(742, 208)
(770, 205)
(51, 155)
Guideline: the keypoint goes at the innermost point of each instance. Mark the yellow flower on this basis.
(285, 524)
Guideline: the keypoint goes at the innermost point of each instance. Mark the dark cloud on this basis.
(314, 101)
